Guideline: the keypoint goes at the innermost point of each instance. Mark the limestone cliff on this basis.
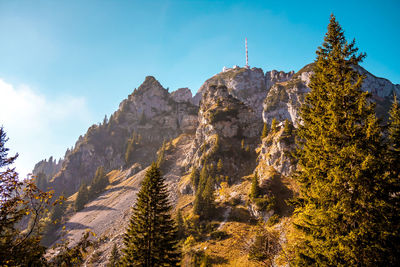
(150, 112)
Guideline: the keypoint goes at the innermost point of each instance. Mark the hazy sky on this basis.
(64, 64)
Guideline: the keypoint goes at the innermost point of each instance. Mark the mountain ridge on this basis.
(224, 125)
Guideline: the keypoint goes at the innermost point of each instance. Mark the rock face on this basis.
(150, 112)
(221, 123)
(247, 85)
(224, 121)
(274, 76)
(284, 98)
(48, 167)
(380, 87)
(276, 151)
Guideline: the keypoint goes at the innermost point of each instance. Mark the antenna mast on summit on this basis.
(247, 56)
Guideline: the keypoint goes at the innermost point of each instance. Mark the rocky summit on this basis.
(220, 127)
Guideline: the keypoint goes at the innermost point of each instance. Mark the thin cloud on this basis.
(37, 126)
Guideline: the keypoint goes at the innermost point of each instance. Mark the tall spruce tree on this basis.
(255, 190)
(264, 131)
(343, 206)
(151, 237)
(82, 198)
(99, 182)
(394, 138)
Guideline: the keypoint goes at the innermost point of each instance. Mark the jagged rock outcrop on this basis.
(276, 151)
(247, 85)
(380, 87)
(224, 121)
(274, 76)
(153, 114)
(48, 167)
(285, 98)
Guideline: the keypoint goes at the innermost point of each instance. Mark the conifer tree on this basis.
(264, 131)
(198, 204)
(19, 245)
(151, 237)
(180, 224)
(99, 182)
(255, 190)
(114, 257)
(82, 198)
(130, 149)
(287, 128)
(204, 202)
(394, 137)
(341, 216)
(161, 155)
(195, 177)
(274, 125)
(219, 166)
(208, 198)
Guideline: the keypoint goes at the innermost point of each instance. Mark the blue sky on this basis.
(64, 64)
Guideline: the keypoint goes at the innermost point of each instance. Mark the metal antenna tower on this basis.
(247, 56)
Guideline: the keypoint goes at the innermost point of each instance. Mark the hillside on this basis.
(220, 127)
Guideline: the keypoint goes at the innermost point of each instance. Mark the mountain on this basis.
(219, 127)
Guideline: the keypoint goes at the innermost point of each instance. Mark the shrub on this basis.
(274, 219)
(265, 247)
(219, 235)
(265, 203)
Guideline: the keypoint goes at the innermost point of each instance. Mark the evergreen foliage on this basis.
(82, 198)
(130, 149)
(161, 155)
(343, 214)
(99, 182)
(288, 128)
(255, 190)
(180, 225)
(274, 125)
(219, 166)
(264, 131)
(151, 237)
(114, 257)
(394, 138)
(195, 177)
(19, 200)
(204, 203)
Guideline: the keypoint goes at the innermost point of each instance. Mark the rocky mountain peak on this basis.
(182, 95)
(150, 86)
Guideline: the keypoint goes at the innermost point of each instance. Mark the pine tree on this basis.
(151, 237)
(274, 125)
(343, 204)
(204, 202)
(130, 149)
(114, 257)
(393, 163)
(394, 137)
(195, 177)
(255, 189)
(198, 201)
(161, 155)
(82, 198)
(99, 182)
(19, 200)
(208, 198)
(180, 224)
(264, 131)
(219, 166)
(287, 128)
